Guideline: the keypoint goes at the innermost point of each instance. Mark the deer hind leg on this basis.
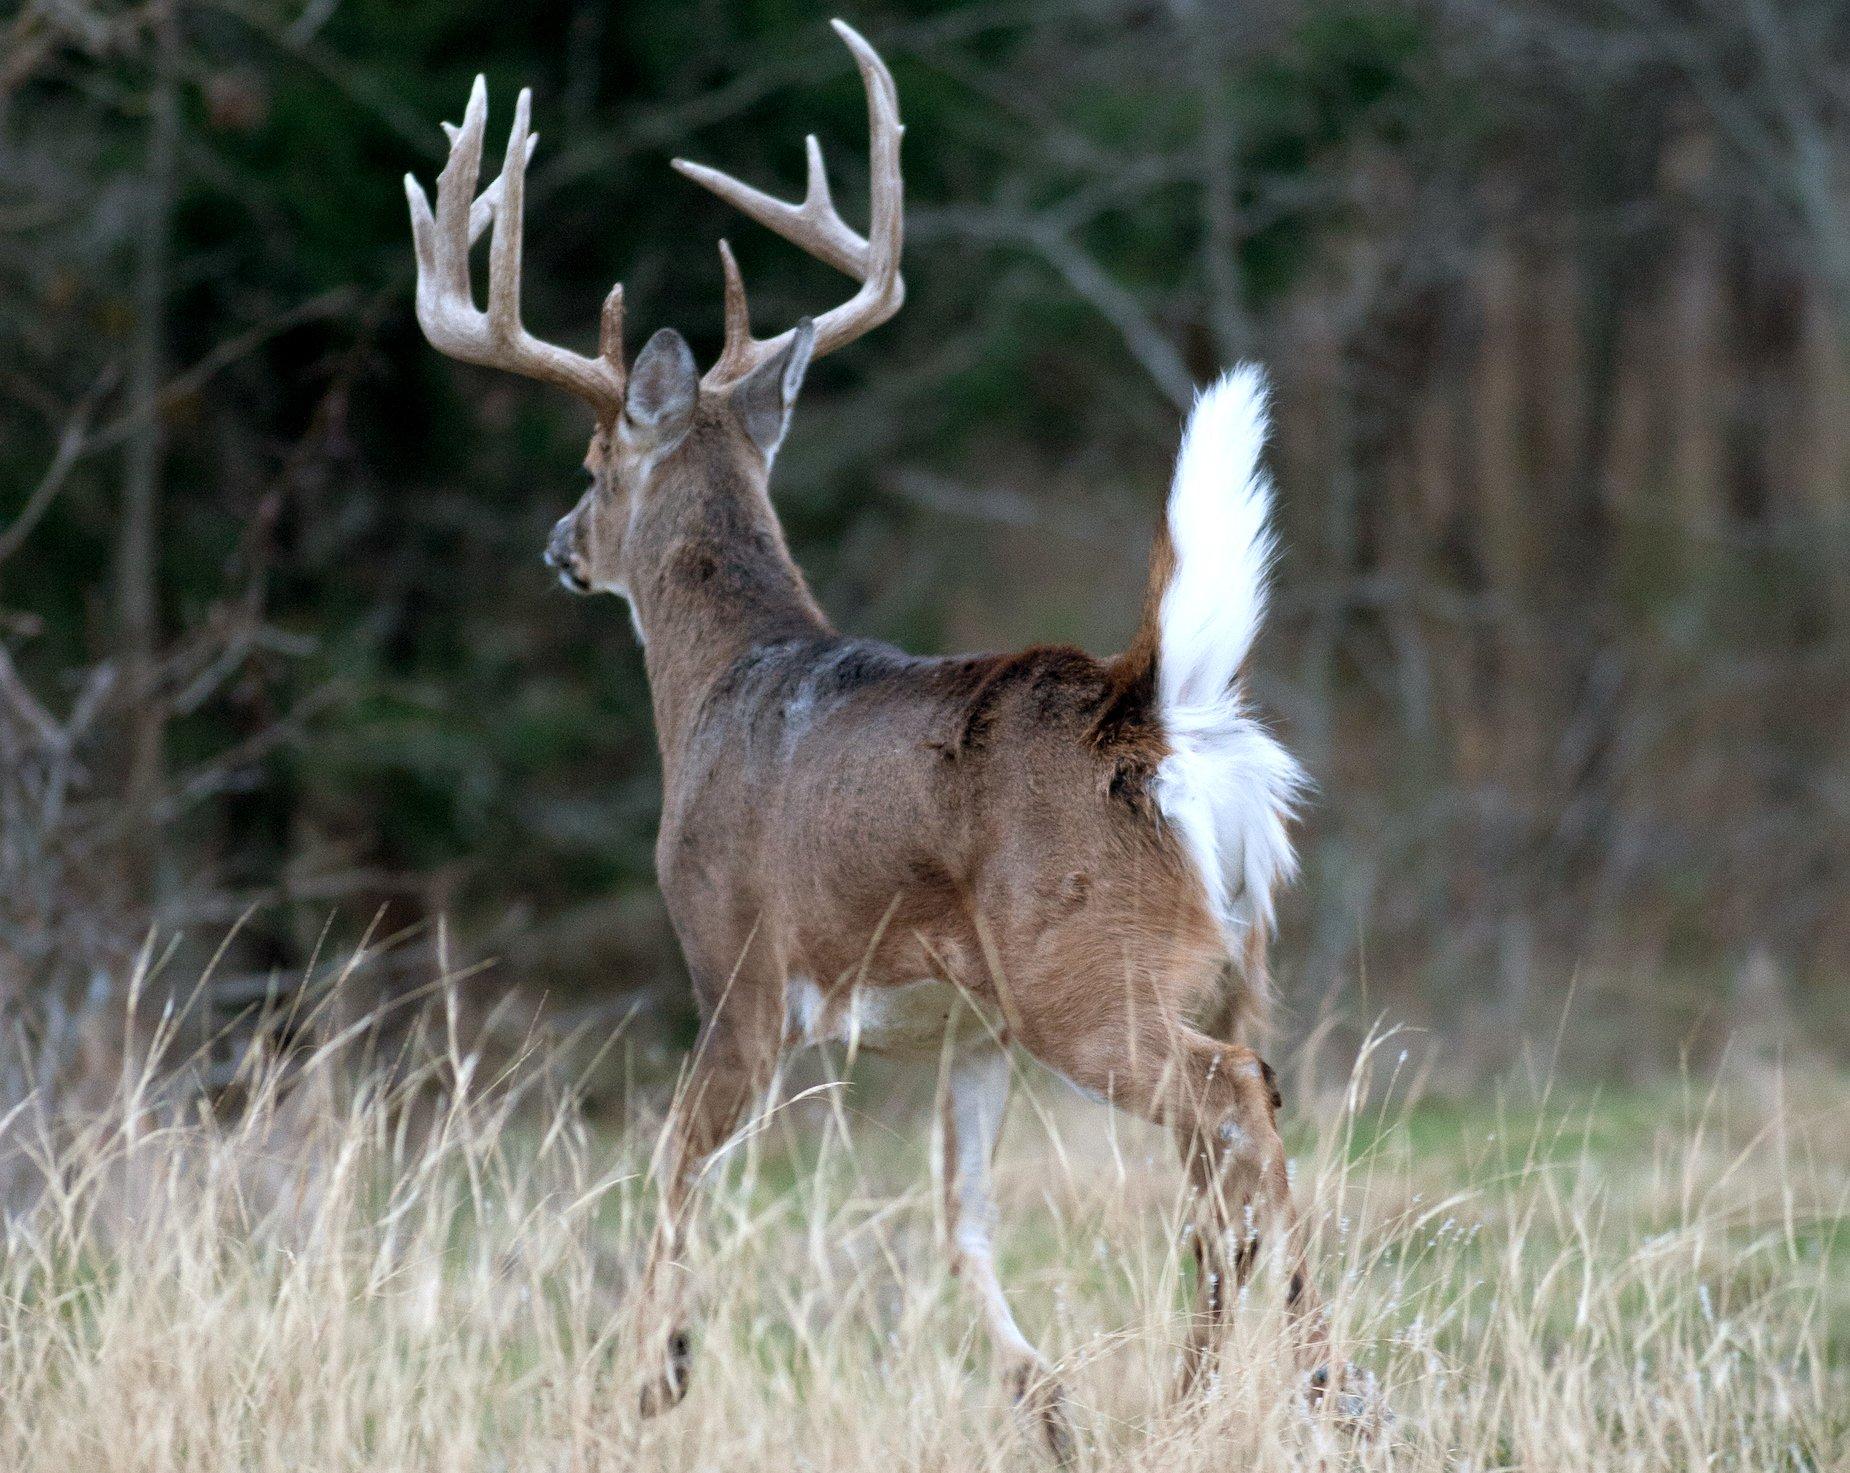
(734, 1061)
(1221, 1101)
(975, 1100)
(1230, 1146)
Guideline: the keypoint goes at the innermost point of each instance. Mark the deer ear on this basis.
(766, 395)
(664, 387)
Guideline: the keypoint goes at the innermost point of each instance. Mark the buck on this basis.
(935, 856)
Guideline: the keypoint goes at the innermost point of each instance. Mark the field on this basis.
(430, 1274)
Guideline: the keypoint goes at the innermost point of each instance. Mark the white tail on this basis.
(1226, 785)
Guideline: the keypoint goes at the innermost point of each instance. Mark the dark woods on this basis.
(1557, 301)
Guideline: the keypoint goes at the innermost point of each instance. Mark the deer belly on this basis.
(904, 1018)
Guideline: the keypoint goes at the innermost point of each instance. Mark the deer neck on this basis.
(723, 584)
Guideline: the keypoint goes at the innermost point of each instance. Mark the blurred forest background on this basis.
(1555, 293)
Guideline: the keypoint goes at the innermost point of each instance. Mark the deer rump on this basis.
(889, 821)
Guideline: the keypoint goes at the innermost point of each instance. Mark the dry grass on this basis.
(430, 1274)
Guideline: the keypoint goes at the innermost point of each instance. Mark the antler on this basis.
(446, 303)
(816, 227)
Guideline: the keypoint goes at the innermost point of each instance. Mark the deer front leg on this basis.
(975, 1100)
(734, 1061)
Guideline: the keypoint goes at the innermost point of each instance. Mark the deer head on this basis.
(652, 416)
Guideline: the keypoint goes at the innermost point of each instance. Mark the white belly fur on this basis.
(909, 1018)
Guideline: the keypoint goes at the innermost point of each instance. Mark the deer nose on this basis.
(559, 545)
(563, 557)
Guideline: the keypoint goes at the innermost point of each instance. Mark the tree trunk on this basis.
(138, 550)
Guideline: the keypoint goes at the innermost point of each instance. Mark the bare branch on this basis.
(1042, 235)
(73, 440)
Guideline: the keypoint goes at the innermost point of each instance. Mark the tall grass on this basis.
(398, 1262)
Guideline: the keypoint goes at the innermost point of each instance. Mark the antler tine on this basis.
(736, 356)
(610, 331)
(489, 200)
(446, 306)
(818, 228)
(456, 192)
(815, 225)
(504, 249)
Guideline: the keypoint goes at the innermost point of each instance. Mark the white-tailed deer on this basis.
(965, 853)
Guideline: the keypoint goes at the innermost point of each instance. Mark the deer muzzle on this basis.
(562, 554)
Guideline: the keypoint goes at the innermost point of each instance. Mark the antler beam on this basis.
(496, 338)
(816, 227)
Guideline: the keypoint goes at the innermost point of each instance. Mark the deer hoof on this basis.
(666, 1391)
(1353, 1397)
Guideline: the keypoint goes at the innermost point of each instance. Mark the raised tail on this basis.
(1225, 784)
